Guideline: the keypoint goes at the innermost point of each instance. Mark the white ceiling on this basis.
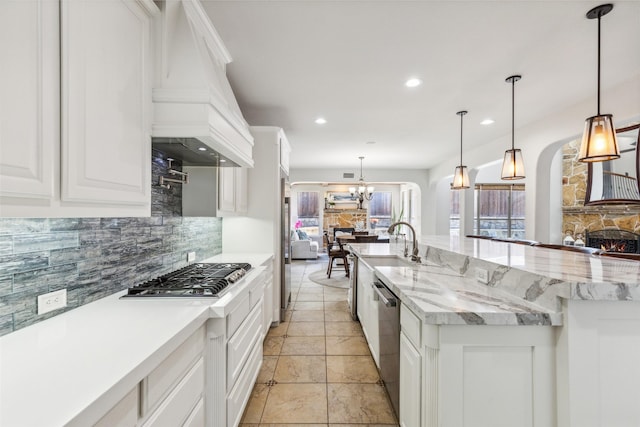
(347, 61)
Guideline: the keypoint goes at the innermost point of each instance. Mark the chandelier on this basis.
(362, 191)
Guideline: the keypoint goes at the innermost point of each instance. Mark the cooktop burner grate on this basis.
(195, 280)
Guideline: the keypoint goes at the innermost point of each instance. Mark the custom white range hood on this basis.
(195, 110)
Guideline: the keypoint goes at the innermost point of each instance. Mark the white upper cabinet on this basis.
(232, 191)
(285, 153)
(29, 98)
(75, 108)
(106, 108)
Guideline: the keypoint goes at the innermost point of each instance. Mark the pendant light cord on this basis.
(599, 18)
(513, 112)
(461, 115)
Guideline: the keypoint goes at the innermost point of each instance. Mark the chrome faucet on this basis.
(414, 256)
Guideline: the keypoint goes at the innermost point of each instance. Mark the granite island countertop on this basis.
(525, 284)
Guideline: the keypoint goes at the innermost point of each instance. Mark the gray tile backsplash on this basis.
(91, 257)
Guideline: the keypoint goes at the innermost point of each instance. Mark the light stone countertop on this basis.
(66, 370)
(525, 284)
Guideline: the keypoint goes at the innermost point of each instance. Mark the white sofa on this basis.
(303, 249)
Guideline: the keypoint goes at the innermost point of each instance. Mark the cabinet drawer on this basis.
(162, 379)
(197, 416)
(179, 405)
(125, 413)
(240, 345)
(410, 325)
(238, 315)
(256, 289)
(239, 395)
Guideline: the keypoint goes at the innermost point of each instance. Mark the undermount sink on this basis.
(386, 261)
(397, 261)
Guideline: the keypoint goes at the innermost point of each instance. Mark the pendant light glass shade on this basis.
(512, 166)
(461, 176)
(599, 142)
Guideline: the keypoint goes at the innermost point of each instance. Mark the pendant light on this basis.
(460, 177)
(513, 166)
(599, 142)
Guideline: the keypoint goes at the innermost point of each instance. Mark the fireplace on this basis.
(614, 240)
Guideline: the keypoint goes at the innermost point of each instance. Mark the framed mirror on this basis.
(616, 181)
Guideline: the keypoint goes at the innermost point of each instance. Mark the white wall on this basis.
(540, 142)
(405, 179)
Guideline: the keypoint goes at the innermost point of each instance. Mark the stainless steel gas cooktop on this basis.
(195, 280)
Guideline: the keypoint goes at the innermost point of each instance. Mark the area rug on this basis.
(337, 280)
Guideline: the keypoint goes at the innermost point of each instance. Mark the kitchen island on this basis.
(139, 361)
(549, 340)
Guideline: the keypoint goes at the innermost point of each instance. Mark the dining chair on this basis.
(336, 253)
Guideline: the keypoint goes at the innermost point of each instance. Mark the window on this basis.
(499, 210)
(380, 210)
(309, 212)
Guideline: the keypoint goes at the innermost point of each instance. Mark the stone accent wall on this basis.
(343, 218)
(576, 218)
(574, 176)
(91, 258)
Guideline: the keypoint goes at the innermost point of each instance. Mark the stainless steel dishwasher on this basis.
(389, 339)
(352, 295)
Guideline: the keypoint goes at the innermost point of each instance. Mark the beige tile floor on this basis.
(317, 370)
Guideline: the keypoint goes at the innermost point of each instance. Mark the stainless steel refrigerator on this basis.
(285, 246)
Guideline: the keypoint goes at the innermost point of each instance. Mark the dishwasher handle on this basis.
(387, 297)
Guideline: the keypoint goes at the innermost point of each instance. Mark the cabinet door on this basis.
(410, 375)
(106, 101)
(125, 413)
(29, 98)
(226, 189)
(242, 198)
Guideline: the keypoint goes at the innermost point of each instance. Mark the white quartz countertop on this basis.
(64, 370)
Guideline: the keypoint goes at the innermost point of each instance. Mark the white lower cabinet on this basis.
(598, 370)
(410, 383)
(181, 402)
(207, 380)
(235, 357)
(367, 308)
(472, 376)
(125, 413)
(171, 392)
(410, 369)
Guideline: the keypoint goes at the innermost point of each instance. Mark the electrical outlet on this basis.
(191, 256)
(52, 301)
(482, 275)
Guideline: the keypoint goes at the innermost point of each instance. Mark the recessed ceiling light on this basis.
(487, 122)
(223, 161)
(413, 82)
(202, 149)
(321, 120)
